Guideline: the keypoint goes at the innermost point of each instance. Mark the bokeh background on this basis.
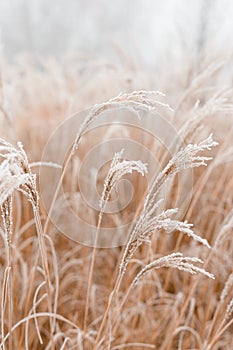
(144, 32)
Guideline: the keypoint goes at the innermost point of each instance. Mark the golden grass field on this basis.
(169, 286)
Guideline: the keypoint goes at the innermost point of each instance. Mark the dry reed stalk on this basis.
(148, 222)
(19, 177)
(117, 170)
(203, 326)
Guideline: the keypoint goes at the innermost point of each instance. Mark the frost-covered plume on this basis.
(136, 101)
(188, 157)
(148, 221)
(15, 173)
(147, 225)
(177, 261)
(118, 168)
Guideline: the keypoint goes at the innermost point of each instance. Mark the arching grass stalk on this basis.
(118, 168)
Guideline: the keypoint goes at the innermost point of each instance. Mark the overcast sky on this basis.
(143, 29)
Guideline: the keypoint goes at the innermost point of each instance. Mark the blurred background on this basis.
(142, 31)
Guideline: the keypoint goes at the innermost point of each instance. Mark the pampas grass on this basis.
(170, 286)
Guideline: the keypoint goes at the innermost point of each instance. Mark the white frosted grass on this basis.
(135, 101)
(118, 168)
(175, 260)
(148, 221)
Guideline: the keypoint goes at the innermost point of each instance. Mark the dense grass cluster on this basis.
(170, 285)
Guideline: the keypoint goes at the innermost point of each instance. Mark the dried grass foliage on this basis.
(58, 294)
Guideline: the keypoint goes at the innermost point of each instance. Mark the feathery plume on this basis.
(15, 173)
(119, 168)
(148, 222)
(136, 101)
(177, 261)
